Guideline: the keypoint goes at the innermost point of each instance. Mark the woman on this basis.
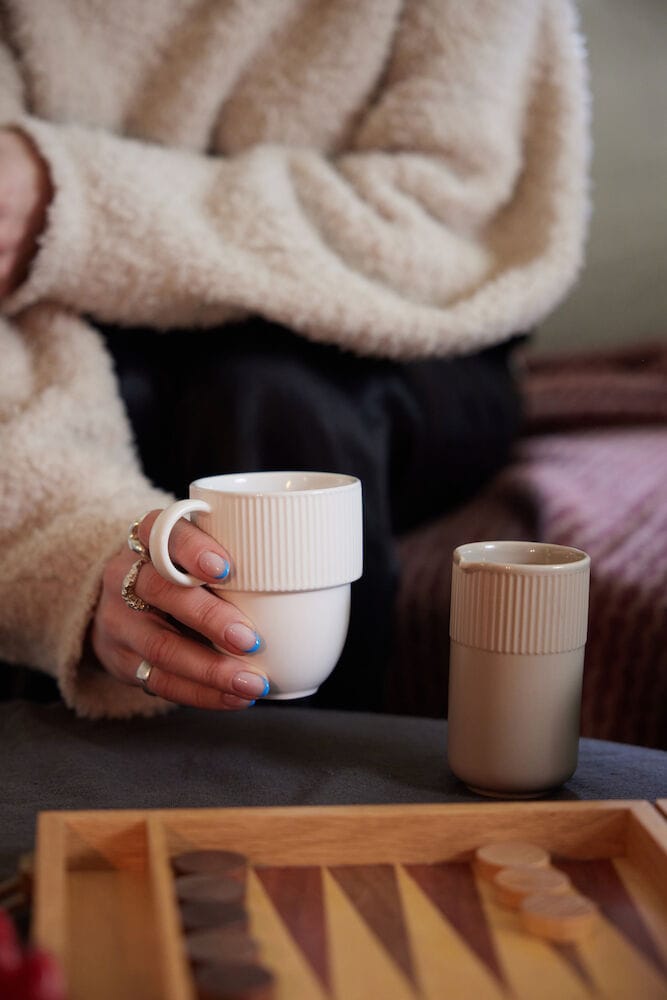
(285, 234)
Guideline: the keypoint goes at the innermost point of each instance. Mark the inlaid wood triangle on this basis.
(297, 894)
(444, 965)
(600, 881)
(570, 954)
(373, 890)
(361, 968)
(452, 889)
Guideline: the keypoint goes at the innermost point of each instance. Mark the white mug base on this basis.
(290, 696)
(302, 635)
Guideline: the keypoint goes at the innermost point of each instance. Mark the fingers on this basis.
(200, 610)
(187, 671)
(191, 548)
(196, 608)
(194, 695)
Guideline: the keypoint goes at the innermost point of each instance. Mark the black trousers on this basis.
(421, 436)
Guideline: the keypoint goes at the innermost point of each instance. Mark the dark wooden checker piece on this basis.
(220, 946)
(214, 888)
(212, 862)
(233, 982)
(206, 913)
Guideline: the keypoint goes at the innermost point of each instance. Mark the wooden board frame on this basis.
(106, 874)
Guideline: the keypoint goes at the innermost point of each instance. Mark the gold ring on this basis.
(127, 589)
(143, 673)
(133, 541)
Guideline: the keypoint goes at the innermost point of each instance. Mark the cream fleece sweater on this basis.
(405, 178)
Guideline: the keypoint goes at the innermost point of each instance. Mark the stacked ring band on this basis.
(133, 540)
(143, 673)
(127, 589)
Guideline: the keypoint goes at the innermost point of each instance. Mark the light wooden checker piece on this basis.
(492, 858)
(513, 885)
(523, 879)
(565, 919)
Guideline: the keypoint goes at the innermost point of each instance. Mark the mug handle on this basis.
(158, 543)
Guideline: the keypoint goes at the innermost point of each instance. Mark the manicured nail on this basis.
(214, 565)
(250, 685)
(242, 638)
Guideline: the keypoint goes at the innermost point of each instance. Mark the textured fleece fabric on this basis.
(403, 178)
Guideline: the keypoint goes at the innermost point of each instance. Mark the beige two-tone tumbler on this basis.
(518, 626)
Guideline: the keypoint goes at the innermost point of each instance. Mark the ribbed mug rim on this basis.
(220, 484)
(477, 556)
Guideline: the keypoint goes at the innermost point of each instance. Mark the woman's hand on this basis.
(25, 193)
(185, 668)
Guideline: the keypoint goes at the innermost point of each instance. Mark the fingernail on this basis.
(250, 685)
(214, 565)
(243, 638)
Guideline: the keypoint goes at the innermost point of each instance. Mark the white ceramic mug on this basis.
(295, 542)
(518, 626)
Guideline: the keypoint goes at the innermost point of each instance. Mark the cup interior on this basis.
(275, 483)
(510, 553)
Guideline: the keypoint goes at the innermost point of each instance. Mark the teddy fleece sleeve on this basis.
(70, 486)
(455, 216)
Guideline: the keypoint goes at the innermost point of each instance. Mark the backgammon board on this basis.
(358, 902)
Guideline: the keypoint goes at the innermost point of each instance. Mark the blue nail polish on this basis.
(267, 688)
(254, 648)
(251, 703)
(225, 572)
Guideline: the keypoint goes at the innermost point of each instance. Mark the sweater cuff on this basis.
(63, 245)
(85, 685)
(95, 694)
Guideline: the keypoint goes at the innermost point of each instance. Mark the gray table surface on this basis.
(269, 755)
